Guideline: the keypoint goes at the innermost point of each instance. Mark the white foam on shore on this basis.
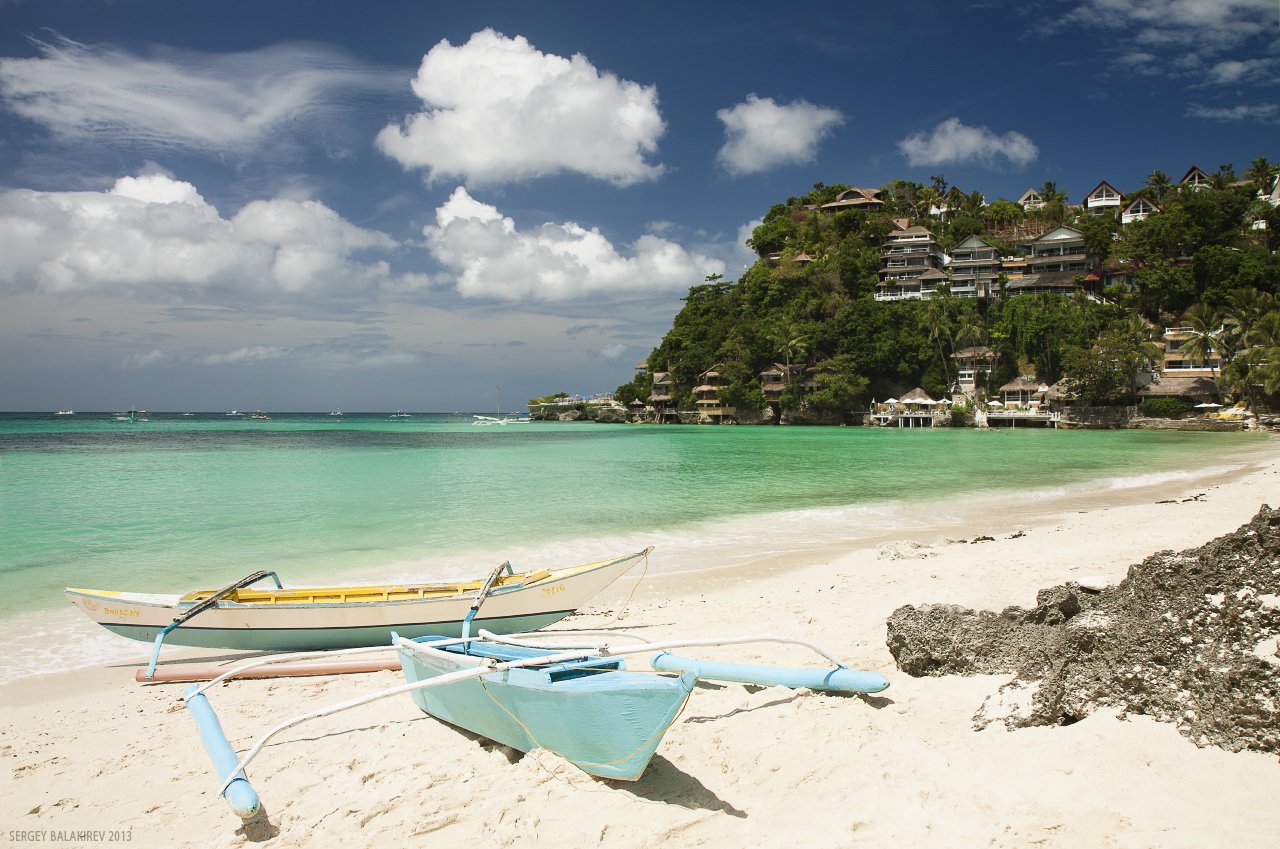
(37, 642)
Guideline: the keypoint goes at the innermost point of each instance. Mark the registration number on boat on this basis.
(558, 588)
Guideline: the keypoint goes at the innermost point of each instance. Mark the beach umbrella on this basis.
(891, 400)
(1208, 405)
(994, 404)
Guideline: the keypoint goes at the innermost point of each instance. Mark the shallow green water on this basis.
(177, 502)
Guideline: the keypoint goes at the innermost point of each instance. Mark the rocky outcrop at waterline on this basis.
(1189, 638)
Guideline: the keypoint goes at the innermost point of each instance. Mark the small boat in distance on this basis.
(400, 416)
(134, 415)
(499, 419)
(259, 415)
(65, 413)
(188, 414)
(236, 413)
(336, 413)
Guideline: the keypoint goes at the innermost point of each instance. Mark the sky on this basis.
(319, 204)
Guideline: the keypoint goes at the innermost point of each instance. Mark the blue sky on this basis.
(401, 205)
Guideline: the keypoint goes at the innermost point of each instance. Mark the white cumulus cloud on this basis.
(761, 134)
(154, 235)
(496, 109)
(212, 102)
(954, 142)
(487, 256)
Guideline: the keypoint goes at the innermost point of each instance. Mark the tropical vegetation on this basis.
(1205, 261)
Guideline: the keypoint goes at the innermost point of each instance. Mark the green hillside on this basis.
(1204, 258)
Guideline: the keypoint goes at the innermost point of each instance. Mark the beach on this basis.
(94, 759)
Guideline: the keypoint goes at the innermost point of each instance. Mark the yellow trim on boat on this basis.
(382, 592)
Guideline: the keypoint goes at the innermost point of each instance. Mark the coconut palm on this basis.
(790, 342)
(937, 321)
(1148, 352)
(1055, 200)
(1245, 306)
(1158, 183)
(1260, 171)
(927, 199)
(1205, 324)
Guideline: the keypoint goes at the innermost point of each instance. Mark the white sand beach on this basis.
(93, 759)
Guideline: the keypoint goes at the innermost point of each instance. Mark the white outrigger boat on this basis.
(320, 618)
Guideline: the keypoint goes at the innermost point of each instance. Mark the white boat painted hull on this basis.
(333, 625)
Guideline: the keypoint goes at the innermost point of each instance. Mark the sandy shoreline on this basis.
(91, 752)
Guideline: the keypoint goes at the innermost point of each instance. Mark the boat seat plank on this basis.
(350, 595)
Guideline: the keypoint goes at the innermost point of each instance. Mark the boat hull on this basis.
(330, 625)
(323, 638)
(607, 723)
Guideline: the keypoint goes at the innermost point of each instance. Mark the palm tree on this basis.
(1205, 323)
(790, 342)
(1260, 171)
(1245, 306)
(970, 331)
(1158, 182)
(937, 319)
(1263, 355)
(1055, 203)
(927, 199)
(1148, 353)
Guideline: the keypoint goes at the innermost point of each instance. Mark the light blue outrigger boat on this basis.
(575, 699)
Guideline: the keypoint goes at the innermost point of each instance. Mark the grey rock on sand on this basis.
(1187, 637)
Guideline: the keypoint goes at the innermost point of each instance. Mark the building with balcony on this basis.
(1196, 179)
(1138, 209)
(1105, 198)
(1061, 249)
(970, 363)
(1065, 283)
(775, 379)
(912, 265)
(975, 267)
(661, 398)
(1177, 363)
(707, 395)
(1031, 200)
(868, 199)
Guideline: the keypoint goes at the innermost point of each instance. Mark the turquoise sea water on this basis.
(180, 502)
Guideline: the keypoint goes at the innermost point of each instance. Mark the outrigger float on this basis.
(575, 699)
